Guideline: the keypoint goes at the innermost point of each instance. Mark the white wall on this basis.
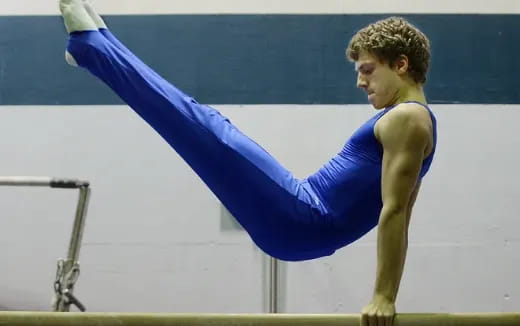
(153, 240)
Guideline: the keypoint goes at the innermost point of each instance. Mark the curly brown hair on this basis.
(390, 38)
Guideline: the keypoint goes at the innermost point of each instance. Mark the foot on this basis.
(75, 16)
(93, 14)
(76, 19)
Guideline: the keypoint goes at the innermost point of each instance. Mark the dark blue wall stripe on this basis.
(259, 59)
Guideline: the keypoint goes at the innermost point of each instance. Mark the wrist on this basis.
(382, 297)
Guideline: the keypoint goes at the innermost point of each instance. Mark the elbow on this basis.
(394, 209)
(393, 216)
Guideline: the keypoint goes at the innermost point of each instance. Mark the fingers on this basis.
(364, 318)
(374, 320)
(386, 319)
(390, 320)
(369, 317)
(365, 315)
(374, 317)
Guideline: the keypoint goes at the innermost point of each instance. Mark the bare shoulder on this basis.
(409, 114)
(406, 121)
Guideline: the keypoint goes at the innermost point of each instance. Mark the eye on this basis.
(367, 71)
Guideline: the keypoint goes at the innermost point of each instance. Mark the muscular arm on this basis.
(413, 197)
(405, 140)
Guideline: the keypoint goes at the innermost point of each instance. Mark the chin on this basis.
(377, 106)
(375, 103)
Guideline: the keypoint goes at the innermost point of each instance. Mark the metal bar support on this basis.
(68, 269)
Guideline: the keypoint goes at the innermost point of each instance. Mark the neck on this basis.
(413, 92)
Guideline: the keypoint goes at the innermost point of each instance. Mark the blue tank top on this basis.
(349, 185)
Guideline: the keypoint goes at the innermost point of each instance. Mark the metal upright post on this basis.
(273, 285)
(68, 270)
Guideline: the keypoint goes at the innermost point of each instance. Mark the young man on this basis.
(392, 58)
(373, 181)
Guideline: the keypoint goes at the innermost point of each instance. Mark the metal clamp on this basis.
(66, 276)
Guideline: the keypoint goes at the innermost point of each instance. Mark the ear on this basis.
(402, 64)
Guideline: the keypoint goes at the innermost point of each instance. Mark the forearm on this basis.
(392, 244)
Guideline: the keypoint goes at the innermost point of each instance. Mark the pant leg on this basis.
(262, 195)
(130, 55)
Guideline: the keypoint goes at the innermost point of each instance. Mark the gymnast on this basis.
(373, 181)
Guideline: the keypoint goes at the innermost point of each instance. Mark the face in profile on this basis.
(381, 82)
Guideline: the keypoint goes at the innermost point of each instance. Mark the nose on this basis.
(361, 82)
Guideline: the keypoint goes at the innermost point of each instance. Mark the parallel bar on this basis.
(42, 182)
(26, 181)
(68, 183)
(148, 319)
